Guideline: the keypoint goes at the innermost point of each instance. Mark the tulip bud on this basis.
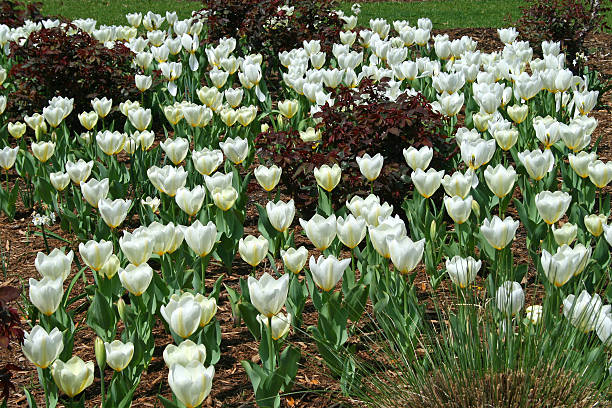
(433, 226)
(121, 308)
(100, 352)
(476, 208)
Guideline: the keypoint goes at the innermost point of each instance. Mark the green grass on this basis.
(443, 13)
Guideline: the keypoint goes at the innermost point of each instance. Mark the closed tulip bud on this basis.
(111, 142)
(121, 309)
(552, 206)
(102, 106)
(320, 231)
(295, 259)
(93, 191)
(327, 272)
(200, 238)
(268, 177)
(56, 265)
(459, 184)
(350, 230)
(584, 311)
(100, 352)
(370, 167)
(73, 376)
(534, 313)
(506, 138)
(428, 182)
(140, 118)
(280, 214)
(136, 279)
(59, 180)
(175, 149)
(510, 298)
(113, 212)
(594, 223)
(499, 233)
(236, 149)
(143, 82)
(328, 177)
(433, 227)
(190, 201)
(418, 159)
(191, 383)
(184, 353)
(518, 113)
(111, 267)
(43, 150)
(137, 248)
(8, 157)
(96, 254)
(268, 295)
(207, 161)
(46, 294)
(280, 324)
(462, 271)
(382, 234)
(288, 108)
(253, 250)
(79, 171)
(500, 179)
(600, 173)
(183, 314)
(118, 354)
(458, 209)
(42, 348)
(88, 119)
(16, 129)
(225, 198)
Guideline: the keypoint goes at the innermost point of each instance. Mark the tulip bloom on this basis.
(280, 324)
(184, 353)
(200, 238)
(118, 354)
(462, 271)
(288, 108)
(583, 312)
(500, 179)
(565, 263)
(79, 171)
(506, 138)
(59, 180)
(268, 177)
(183, 314)
(224, 198)
(499, 233)
(428, 182)
(191, 383)
(370, 167)
(56, 265)
(218, 180)
(600, 173)
(208, 306)
(96, 254)
(552, 206)
(566, 234)
(537, 163)
(190, 201)
(253, 250)
(350, 230)
(328, 177)
(458, 209)
(93, 191)
(42, 348)
(320, 231)
(580, 162)
(295, 259)
(518, 113)
(534, 313)
(459, 184)
(510, 298)
(8, 157)
(140, 118)
(111, 267)
(280, 214)
(236, 149)
(175, 149)
(137, 248)
(405, 253)
(46, 294)
(207, 161)
(478, 152)
(268, 295)
(381, 235)
(113, 212)
(43, 150)
(168, 179)
(111, 142)
(73, 376)
(136, 279)
(594, 223)
(418, 159)
(327, 272)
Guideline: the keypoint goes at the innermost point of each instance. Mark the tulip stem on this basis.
(43, 381)
(271, 351)
(102, 396)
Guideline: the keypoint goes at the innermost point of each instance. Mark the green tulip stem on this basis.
(387, 273)
(44, 234)
(7, 179)
(102, 395)
(203, 265)
(458, 232)
(43, 381)
(271, 351)
(600, 206)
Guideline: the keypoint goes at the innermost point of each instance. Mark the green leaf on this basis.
(101, 318)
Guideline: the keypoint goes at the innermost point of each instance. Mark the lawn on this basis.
(443, 13)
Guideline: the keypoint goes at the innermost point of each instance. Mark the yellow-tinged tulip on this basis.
(281, 324)
(184, 353)
(46, 294)
(183, 314)
(43, 150)
(225, 198)
(295, 259)
(518, 113)
(328, 177)
(369, 166)
(190, 201)
(136, 279)
(253, 250)
(73, 376)
(268, 177)
(16, 129)
(500, 179)
(119, 354)
(208, 161)
(8, 156)
(552, 206)
(42, 348)
(499, 233)
(209, 308)
(59, 180)
(428, 182)
(566, 234)
(175, 149)
(88, 119)
(600, 173)
(594, 223)
(288, 108)
(101, 107)
(462, 271)
(200, 238)
(113, 212)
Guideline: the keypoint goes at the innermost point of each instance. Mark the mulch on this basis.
(231, 388)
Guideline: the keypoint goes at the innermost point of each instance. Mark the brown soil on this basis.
(231, 387)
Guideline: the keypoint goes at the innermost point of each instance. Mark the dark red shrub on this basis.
(351, 128)
(565, 21)
(15, 13)
(54, 63)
